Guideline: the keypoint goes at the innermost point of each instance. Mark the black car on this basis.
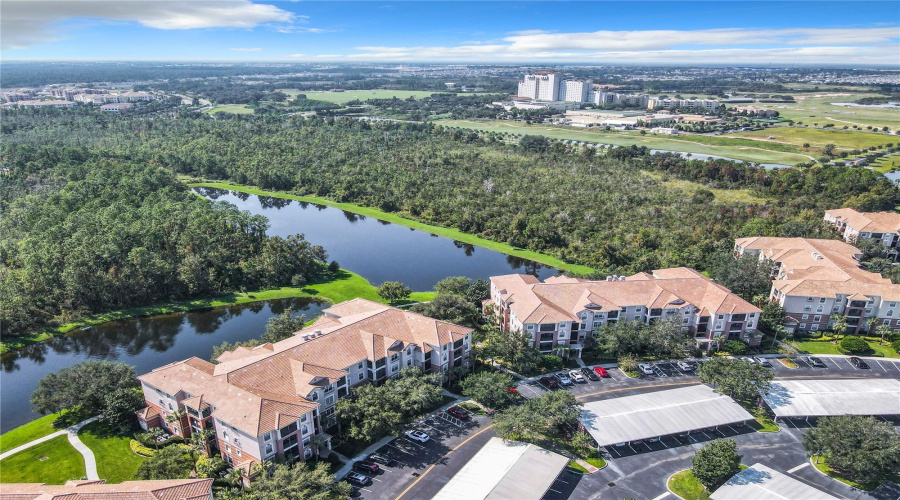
(366, 466)
(859, 363)
(589, 374)
(816, 362)
(358, 479)
(380, 459)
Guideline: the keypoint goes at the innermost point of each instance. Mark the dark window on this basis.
(458, 344)
(547, 327)
(738, 317)
(547, 336)
(287, 429)
(342, 381)
(612, 314)
(655, 312)
(380, 363)
(546, 346)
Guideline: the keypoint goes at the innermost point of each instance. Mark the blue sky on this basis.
(727, 32)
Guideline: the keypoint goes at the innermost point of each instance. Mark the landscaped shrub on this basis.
(736, 347)
(210, 467)
(896, 345)
(815, 335)
(140, 449)
(854, 344)
(551, 362)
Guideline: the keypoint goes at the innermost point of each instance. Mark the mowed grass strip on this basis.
(362, 95)
(421, 226)
(52, 462)
(738, 149)
(818, 138)
(238, 109)
(115, 460)
(29, 432)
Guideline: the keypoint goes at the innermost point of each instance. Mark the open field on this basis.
(428, 228)
(362, 95)
(818, 138)
(722, 195)
(238, 109)
(886, 163)
(730, 148)
(28, 432)
(51, 462)
(817, 108)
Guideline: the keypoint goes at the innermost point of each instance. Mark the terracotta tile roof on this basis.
(563, 300)
(853, 289)
(147, 413)
(168, 489)
(870, 222)
(806, 258)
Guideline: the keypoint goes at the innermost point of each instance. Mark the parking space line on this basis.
(664, 495)
(795, 469)
(554, 491)
(879, 365)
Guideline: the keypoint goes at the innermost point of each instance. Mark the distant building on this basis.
(706, 105)
(663, 130)
(41, 104)
(574, 90)
(117, 108)
(755, 111)
(541, 86)
(114, 98)
(853, 226)
(559, 313)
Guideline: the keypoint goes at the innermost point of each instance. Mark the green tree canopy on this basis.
(283, 326)
(393, 291)
(171, 462)
(735, 377)
(859, 448)
(489, 388)
(86, 384)
(716, 462)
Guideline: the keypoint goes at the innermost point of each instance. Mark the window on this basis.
(886, 322)
(890, 313)
(530, 327)
(303, 418)
(304, 430)
(288, 429)
(360, 376)
(307, 454)
(227, 448)
(225, 435)
(749, 324)
(315, 396)
(546, 327)
(408, 351)
(819, 309)
(893, 304)
(802, 325)
(822, 300)
(807, 308)
(817, 318)
(329, 400)
(170, 406)
(805, 316)
(162, 403)
(269, 449)
(809, 299)
(814, 327)
(238, 452)
(721, 316)
(359, 366)
(718, 326)
(267, 436)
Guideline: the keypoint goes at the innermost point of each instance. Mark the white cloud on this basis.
(294, 55)
(877, 45)
(241, 49)
(30, 22)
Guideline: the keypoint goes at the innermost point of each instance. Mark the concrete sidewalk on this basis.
(90, 463)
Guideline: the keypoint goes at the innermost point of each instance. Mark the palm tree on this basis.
(318, 441)
(235, 477)
(839, 326)
(883, 331)
(200, 440)
(175, 417)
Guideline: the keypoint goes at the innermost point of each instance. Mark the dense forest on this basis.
(618, 212)
(95, 233)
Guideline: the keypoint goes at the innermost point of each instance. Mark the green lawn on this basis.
(740, 149)
(115, 460)
(887, 163)
(826, 347)
(817, 108)
(821, 464)
(685, 485)
(818, 137)
(62, 463)
(722, 195)
(238, 109)
(576, 466)
(428, 228)
(28, 432)
(362, 95)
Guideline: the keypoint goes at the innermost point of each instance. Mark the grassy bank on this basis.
(115, 460)
(739, 149)
(52, 462)
(345, 286)
(28, 432)
(685, 485)
(421, 226)
(818, 137)
(825, 346)
(821, 464)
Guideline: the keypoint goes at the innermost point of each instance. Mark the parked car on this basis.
(862, 365)
(589, 374)
(575, 375)
(816, 362)
(564, 379)
(380, 459)
(763, 361)
(549, 382)
(685, 366)
(418, 436)
(366, 466)
(600, 371)
(646, 369)
(750, 360)
(514, 391)
(458, 412)
(358, 479)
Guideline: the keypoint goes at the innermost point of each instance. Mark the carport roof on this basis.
(760, 481)
(823, 398)
(505, 469)
(661, 413)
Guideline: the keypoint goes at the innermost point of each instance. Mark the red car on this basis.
(551, 383)
(599, 370)
(458, 412)
(513, 390)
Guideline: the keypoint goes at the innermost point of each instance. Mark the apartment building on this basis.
(559, 313)
(114, 98)
(853, 226)
(541, 86)
(40, 104)
(277, 400)
(117, 108)
(97, 489)
(816, 279)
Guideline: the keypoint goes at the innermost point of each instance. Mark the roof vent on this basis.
(816, 256)
(591, 305)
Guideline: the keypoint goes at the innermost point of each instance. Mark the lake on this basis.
(379, 251)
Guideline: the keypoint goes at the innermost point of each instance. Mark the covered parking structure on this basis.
(805, 399)
(662, 413)
(759, 481)
(505, 469)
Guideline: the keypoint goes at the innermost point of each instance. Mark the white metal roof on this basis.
(661, 413)
(821, 398)
(759, 481)
(503, 470)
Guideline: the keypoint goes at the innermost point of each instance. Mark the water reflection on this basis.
(146, 343)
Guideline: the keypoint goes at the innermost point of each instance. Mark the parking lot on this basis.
(411, 458)
(839, 366)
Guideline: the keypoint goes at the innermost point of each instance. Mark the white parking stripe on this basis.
(880, 366)
(795, 469)
(664, 495)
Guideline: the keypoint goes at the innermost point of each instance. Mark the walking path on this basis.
(90, 463)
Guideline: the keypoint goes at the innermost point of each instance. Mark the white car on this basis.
(685, 366)
(646, 369)
(418, 436)
(577, 377)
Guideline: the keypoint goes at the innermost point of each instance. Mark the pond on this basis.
(377, 250)
(145, 343)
